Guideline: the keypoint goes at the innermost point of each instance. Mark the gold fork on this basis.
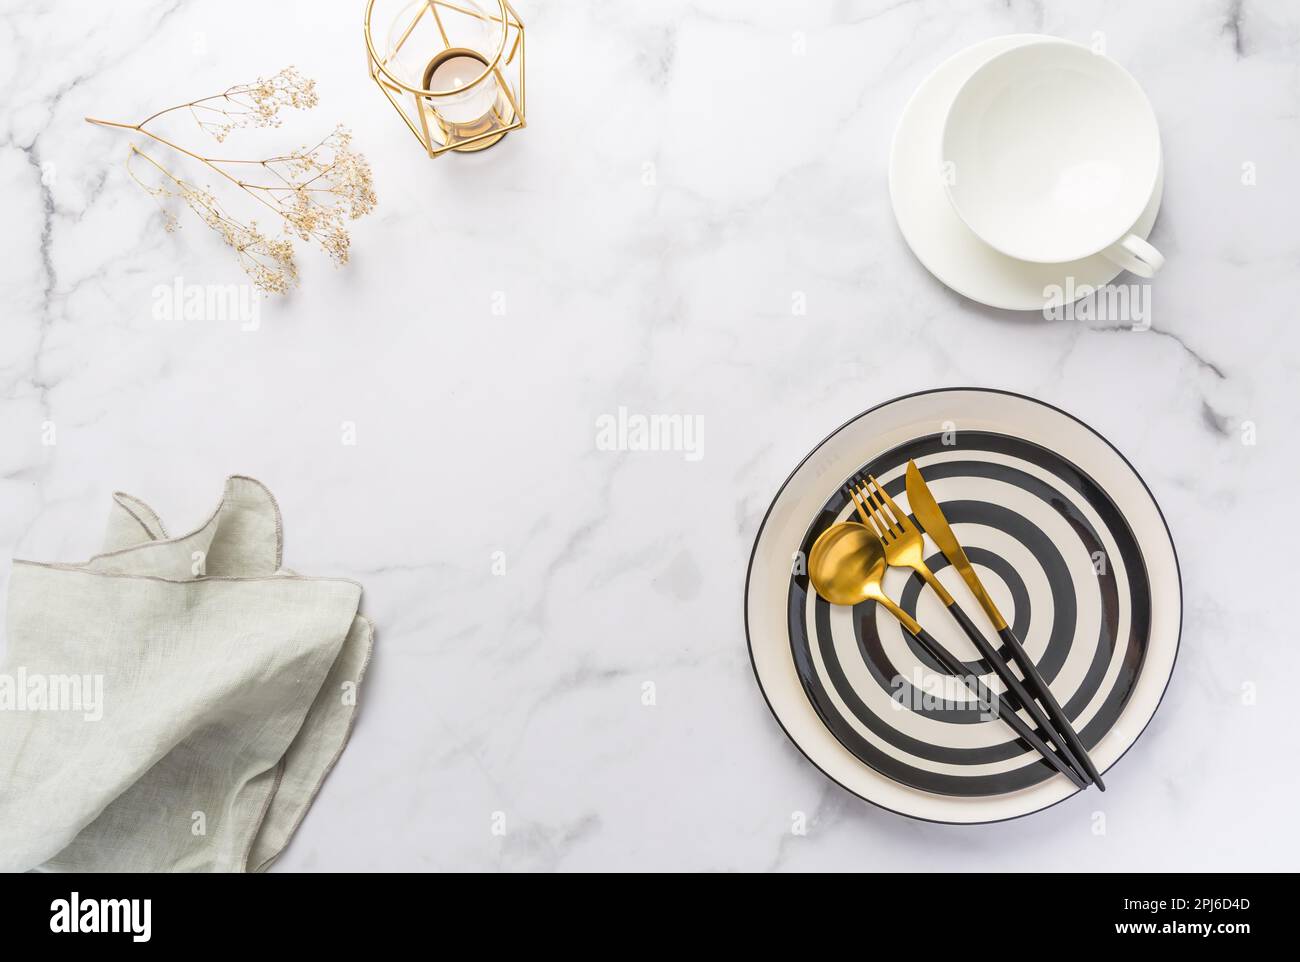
(905, 548)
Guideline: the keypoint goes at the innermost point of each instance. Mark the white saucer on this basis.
(938, 237)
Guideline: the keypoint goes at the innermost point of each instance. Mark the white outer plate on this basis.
(883, 428)
(938, 237)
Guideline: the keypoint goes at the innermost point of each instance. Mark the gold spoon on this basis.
(846, 567)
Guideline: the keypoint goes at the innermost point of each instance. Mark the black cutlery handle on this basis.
(1020, 696)
(1034, 681)
(954, 667)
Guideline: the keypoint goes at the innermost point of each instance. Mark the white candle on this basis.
(452, 74)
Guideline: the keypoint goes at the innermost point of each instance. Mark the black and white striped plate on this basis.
(1067, 539)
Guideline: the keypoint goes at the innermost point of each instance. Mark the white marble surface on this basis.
(522, 693)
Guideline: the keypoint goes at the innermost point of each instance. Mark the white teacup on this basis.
(1051, 154)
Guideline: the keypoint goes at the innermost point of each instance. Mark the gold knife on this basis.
(923, 505)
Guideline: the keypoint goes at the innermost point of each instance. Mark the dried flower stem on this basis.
(317, 188)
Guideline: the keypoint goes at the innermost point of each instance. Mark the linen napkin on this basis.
(173, 704)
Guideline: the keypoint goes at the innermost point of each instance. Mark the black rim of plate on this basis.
(813, 527)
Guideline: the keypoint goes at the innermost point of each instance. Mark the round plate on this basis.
(1067, 539)
(939, 238)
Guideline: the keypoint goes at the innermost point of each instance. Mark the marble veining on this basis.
(560, 679)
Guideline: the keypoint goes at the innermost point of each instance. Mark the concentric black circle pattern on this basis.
(935, 764)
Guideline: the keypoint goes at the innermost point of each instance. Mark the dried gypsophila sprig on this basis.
(322, 186)
(313, 190)
(255, 105)
(269, 262)
(249, 105)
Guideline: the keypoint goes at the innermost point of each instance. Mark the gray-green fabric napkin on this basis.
(173, 704)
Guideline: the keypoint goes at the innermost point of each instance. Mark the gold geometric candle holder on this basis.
(454, 70)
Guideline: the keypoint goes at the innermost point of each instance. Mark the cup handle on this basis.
(1135, 255)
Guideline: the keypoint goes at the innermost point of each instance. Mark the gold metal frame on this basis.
(416, 104)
